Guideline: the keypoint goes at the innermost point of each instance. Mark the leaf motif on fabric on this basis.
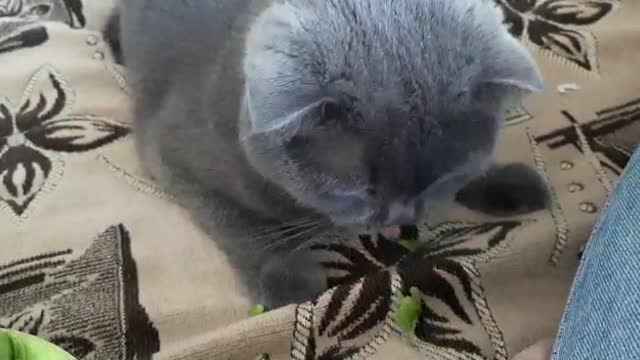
(11, 8)
(356, 308)
(522, 6)
(559, 26)
(38, 130)
(351, 265)
(45, 294)
(69, 12)
(39, 11)
(79, 347)
(76, 134)
(23, 173)
(27, 322)
(611, 135)
(439, 268)
(46, 98)
(349, 319)
(475, 241)
(6, 125)
(515, 23)
(22, 37)
(573, 45)
(573, 12)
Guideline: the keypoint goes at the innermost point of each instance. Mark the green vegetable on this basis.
(256, 310)
(409, 311)
(15, 345)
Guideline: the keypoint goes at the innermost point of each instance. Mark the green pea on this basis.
(256, 310)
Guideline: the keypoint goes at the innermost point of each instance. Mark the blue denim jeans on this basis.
(602, 319)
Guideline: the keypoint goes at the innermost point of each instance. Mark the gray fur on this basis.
(506, 190)
(315, 118)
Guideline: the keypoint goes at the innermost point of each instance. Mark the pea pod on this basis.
(409, 311)
(16, 345)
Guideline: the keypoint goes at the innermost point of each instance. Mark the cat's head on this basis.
(362, 110)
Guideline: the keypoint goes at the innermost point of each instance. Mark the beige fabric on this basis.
(538, 351)
(99, 261)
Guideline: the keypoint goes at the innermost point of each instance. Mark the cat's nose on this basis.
(401, 214)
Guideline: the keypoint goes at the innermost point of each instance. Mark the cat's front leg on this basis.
(506, 190)
(290, 278)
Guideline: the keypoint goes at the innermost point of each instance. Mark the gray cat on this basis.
(281, 123)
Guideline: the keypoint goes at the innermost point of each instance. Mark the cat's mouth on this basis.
(391, 232)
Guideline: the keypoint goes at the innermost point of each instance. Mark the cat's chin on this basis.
(392, 232)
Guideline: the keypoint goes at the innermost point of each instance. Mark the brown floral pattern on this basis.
(86, 302)
(21, 21)
(19, 36)
(369, 278)
(38, 130)
(66, 11)
(558, 26)
(609, 136)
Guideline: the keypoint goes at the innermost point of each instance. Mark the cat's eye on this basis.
(462, 94)
(331, 110)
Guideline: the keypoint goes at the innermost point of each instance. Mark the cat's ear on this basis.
(294, 122)
(513, 67)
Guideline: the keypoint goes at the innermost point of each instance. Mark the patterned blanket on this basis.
(101, 262)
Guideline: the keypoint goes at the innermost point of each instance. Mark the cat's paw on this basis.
(290, 279)
(505, 190)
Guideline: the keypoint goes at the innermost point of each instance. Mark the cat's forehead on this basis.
(384, 55)
(398, 47)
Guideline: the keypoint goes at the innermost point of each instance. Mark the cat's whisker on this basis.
(284, 241)
(287, 224)
(304, 244)
(277, 237)
(276, 232)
